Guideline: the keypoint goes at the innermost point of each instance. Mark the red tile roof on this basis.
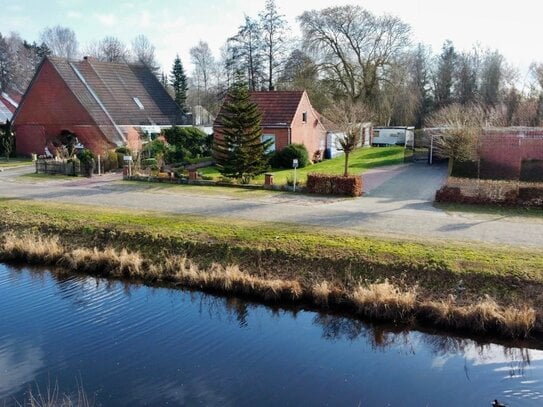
(117, 85)
(278, 107)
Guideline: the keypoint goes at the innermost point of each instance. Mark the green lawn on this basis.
(14, 162)
(359, 161)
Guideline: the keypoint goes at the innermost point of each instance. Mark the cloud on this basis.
(108, 20)
(19, 363)
(74, 15)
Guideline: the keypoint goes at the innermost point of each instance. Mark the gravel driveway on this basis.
(398, 202)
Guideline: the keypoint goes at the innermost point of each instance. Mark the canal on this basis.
(128, 345)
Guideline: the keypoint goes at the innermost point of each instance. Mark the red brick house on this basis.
(103, 104)
(287, 117)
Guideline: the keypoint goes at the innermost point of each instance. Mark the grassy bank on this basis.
(472, 287)
(359, 161)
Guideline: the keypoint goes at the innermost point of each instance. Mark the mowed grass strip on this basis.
(360, 160)
(399, 255)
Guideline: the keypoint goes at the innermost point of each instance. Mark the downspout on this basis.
(97, 99)
(289, 136)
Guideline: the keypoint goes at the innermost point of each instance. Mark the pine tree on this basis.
(240, 153)
(179, 84)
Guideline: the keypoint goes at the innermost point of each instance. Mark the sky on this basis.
(174, 26)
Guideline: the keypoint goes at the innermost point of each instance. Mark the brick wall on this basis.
(50, 107)
(505, 150)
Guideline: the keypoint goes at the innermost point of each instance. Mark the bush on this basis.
(283, 158)
(334, 185)
(150, 163)
(154, 148)
(87, 160)
(187, 143)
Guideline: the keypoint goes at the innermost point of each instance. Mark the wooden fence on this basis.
(65, 167)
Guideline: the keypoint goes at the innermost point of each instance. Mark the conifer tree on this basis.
(240, 153)
(179, 84)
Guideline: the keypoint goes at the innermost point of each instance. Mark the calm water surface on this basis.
(133, 345)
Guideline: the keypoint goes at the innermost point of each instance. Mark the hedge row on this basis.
(334, 185)
(524, 196)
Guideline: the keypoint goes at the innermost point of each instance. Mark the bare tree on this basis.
(6, 64)
(274, 30)
(245, 49)
(398, 102)
(354, 47)
(444, 75)
(492, 77)
(349, 117)
(112, 49)
(144, 53)
(420, 77)
(457, 128)
(61, 41)
(202, 58)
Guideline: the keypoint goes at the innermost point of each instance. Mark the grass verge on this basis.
(476, 287)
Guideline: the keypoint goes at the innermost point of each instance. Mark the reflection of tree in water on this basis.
(383, 337)
(378, 336)
(519, 359)
(234, 308)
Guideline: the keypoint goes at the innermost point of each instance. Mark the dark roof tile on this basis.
(278, 107)
(109, 92)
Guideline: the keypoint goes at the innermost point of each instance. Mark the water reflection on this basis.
(19, 363)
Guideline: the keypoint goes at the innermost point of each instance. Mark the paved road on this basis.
(397, 201)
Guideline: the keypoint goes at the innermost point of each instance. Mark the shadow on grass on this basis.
(379, 152)
(380, 163)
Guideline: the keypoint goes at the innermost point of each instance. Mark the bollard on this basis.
(268, 180)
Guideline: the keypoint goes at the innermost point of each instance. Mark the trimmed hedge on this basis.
(283, 158)
(334, 185)
(523, 196)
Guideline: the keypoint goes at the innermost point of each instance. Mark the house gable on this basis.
(307, 128)
(48, 107)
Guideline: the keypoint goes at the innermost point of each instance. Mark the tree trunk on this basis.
(346, 172)
(450, 167)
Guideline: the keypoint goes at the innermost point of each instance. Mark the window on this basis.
(138, 102)
(304, 117)
(266, 137)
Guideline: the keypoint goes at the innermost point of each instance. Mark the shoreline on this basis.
(321, 272)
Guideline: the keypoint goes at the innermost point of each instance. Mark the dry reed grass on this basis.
(229, 279)
(321, 292)
(31, 249)
(484, 316)
(377, 300)
(384, 300)
(108, 262)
